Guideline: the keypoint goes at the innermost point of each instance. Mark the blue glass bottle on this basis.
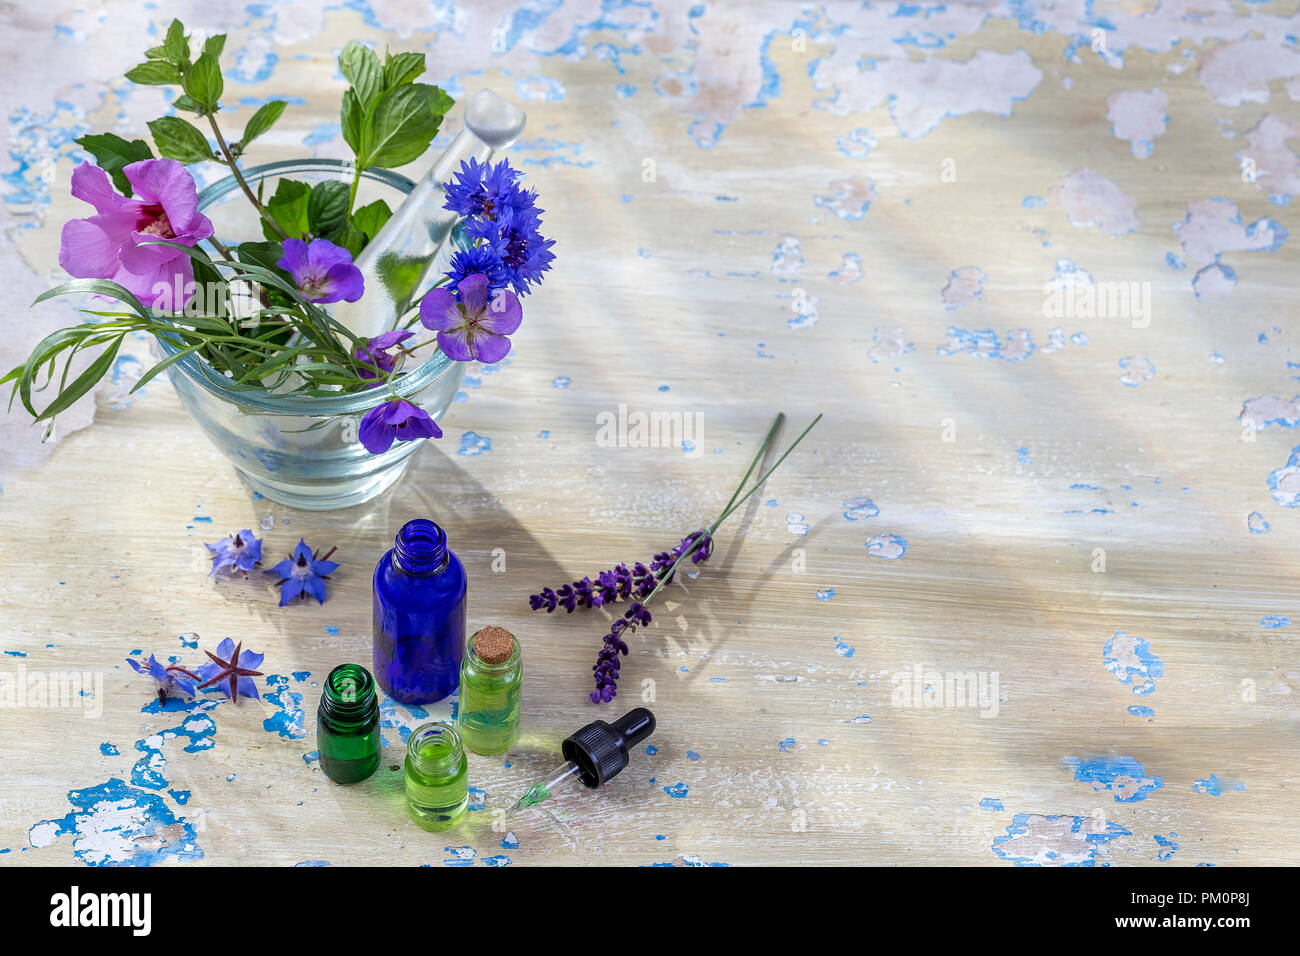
(419, 623)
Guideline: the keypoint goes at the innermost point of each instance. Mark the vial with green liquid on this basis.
(437, 776)
(491, 692)
(347, 724)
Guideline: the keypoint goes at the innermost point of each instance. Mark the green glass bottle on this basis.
(437, 776)
(347, 724)
(491, 692)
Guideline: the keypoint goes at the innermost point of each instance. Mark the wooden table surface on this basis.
(757, 208)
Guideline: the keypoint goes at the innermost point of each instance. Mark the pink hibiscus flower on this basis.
(114, 243)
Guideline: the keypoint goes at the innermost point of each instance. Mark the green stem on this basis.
(239, 178)
(734, 503)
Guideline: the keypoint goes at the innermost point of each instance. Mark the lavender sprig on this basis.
(697, 546)
(619, 582)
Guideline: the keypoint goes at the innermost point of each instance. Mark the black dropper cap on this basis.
(601, 750)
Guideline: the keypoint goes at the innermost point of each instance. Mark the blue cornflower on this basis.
(513, 236)
(482, 189)
(304, 573)
(240, 551)
(171, 678)
(467, 261)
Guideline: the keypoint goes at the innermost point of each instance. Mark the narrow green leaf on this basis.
(154, 73)
(351, 119)
(327, 207)
(361, 67)
(165, 364)
(84, 382)
(203, 82)
(99, 287)
(113, 153)
(402, 68)
(180, 140)
(262, 120)
(371, 217)
(402, 126)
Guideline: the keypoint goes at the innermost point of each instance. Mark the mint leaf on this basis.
(327, 207)
(402, 126)
(351, 117)
(213, 45)
(442, 102)
(262, 120)
(177, 44)
(350, 238)
(371, 217)
(154, 73)
(203, 82)
(187, 102)
(180, 140)
(112, 154)
(402, 68)
(361, 68)
(289, 207)
(264, 254)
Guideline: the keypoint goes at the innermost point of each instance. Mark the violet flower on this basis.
(375, 352)
(322, 271)
(170, 678)
(607, 663)
(232, 670)
(240, 551)
(396, 420)
(303, 573)
(119, 243)
(619, 582)
(469, 325)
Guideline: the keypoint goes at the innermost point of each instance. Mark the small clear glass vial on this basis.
(491, 692)
(347, 725)
(437, 776)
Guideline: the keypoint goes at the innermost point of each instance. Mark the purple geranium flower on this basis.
(241, 551)
(119, 243)
(322, 271)
(375, 352)
(304, 573)
(171, 678)
(232, 669)
(396, 420)
(469, 326)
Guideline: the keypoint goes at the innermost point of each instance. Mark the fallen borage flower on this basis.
(231, 670)
(303, 572)
(642, 582)
(170, 678)
(240, 552)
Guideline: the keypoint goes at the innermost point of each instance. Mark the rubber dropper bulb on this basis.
(601, 749)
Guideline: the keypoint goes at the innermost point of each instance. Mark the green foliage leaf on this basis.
(113, 153)
(361, 67)
(371, 217)
(154, 73)
(213, 45)
(351, 118)
(84, 382)
(177, 45)
(350, 238)
(262, 120)
(402, 68)
(187, 102)
(442, 102)
(401, 128)
(180, 140)
(289, 207)
(327, 207)
(203, 82)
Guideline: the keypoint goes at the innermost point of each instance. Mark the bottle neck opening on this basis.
(421, 547)
(435, 748)
(349, 692)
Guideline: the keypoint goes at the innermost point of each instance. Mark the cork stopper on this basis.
(493, 644)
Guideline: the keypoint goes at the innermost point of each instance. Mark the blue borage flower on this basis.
(231, 670)
(170, 678)
(240, 552)
(304, 573)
